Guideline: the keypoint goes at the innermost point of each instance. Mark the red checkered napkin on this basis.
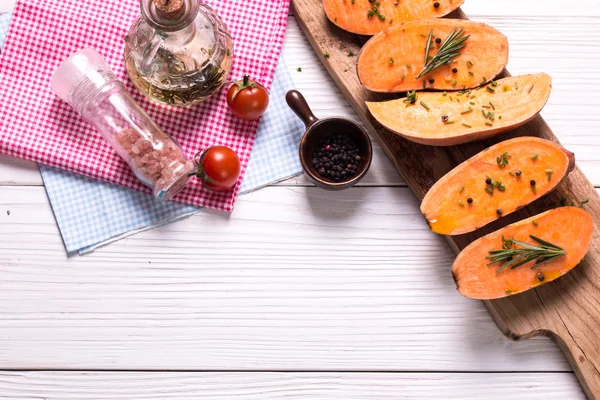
(36, 125)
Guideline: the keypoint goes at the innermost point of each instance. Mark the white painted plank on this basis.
(7, 5)
(272, 386)
(295, 279)
(533, 8)
(17, 172)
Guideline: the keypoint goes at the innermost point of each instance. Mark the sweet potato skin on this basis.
(353, 17)
(486, 49)
(516, 100)
(446, 207)
(568, 227)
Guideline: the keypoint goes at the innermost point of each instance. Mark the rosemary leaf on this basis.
(411, 97)
(428, 46)
(502, 159)
(545, 243)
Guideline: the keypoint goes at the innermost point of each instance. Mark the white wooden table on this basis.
(301, 293)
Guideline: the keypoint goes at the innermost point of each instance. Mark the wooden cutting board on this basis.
(566, 310)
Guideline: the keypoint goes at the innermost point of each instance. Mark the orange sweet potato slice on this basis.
(569, 228)
(391, 60)
(366, 17)
(495, 183)
(455, 118)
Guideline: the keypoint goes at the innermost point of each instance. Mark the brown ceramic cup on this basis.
(317, 130)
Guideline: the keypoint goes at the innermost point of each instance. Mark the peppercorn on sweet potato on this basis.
(366, 17)
(392, 60)
(495, 183)
(489, 267)
(450, 118)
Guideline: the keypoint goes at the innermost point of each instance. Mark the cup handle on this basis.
(300, 107)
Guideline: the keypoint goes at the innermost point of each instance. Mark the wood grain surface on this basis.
(289, 386)
(294, 280)
(566, 310)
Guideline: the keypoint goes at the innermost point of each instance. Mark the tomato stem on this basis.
(200, 173)
(241, 85)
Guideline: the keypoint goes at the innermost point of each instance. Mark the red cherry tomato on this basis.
(218, 168)
(247, 99)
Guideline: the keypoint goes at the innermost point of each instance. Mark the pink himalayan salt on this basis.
(156, 159)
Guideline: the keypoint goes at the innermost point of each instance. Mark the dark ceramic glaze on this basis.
(317, 130)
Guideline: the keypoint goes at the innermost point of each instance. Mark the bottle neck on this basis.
(91, 88)
(159, 17)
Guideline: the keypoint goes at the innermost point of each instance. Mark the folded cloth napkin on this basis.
(36, 125)
(92, 213)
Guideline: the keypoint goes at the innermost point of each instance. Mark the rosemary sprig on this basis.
(449, 49)
(514, 257)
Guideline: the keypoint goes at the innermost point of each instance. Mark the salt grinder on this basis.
(89, 86)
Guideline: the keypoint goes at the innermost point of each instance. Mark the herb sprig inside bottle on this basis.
(447, 51)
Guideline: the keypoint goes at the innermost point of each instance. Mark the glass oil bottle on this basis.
(178, 52)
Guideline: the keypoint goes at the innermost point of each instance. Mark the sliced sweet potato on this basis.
(569, 228)
(366, 17)
(495, 183)
(454, 118)
(391, 60)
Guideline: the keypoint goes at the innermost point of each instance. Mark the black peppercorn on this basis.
(541, 277)
(436, 4)
(488, 181)
(499, 211)
(470, 200)
(518, 172)
(438, 40)
(431, 80)
(532, 182)
(455, 70)
(336, 158)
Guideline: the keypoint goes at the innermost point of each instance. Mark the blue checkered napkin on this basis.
(4, 22)
(91, 213)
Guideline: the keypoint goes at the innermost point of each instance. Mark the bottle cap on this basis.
(169, 9)
(85, 67)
